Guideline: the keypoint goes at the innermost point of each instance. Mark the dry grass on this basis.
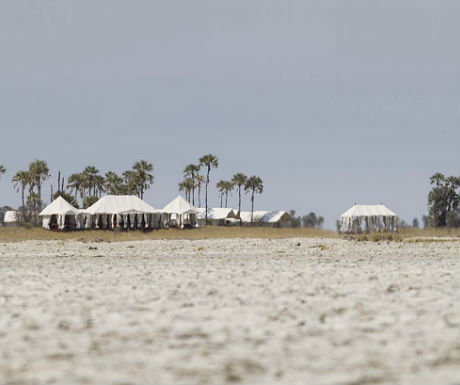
(410, 235)
(377, 237)
(430, 232)
(16, 234)
(430, 239)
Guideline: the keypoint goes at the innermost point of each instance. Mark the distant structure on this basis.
(219, 216)
(277, 218)
(60, 215)
(366, 218)
(10, 219)
(122, 212)
(182, 214)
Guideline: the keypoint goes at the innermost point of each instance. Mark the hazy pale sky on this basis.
(329, 102)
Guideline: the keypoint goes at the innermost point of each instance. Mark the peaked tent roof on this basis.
(276, 216)
(265, 216)
(179, 206)
(120, 204)
(59, 207)
(368, 211)
(257, 217)
(216, 213)
(10, 217)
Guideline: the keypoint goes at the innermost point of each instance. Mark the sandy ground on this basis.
(229, 311)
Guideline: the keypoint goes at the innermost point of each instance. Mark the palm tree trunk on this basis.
(206, 197)
(39, 190)
(226, 198)
(252, 207)
(221, 198)
(239, 204)
(193, 190)
(199, 195)
(22, 195)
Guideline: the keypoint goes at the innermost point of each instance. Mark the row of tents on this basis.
(131, 212)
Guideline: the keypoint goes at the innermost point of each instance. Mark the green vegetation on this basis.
(443, 201)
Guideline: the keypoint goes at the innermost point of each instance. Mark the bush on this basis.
(377, 237)
(89, 201)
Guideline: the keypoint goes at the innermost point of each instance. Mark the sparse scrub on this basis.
(377, 237)
(15, 234)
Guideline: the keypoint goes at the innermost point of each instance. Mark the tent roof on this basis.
(265, 216)
(10, 217)
(59, 207)
(179, 206)
(276, 216)
(120, 204)
(368, 211)
(216, 213)
(257, 217)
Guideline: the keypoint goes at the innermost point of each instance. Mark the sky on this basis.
(329, 102)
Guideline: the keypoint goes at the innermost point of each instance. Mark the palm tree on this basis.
(208, 161)
(90, 177)
(112, 183)
(192, 171)
(39, 172)
(144, 177)
(74, 182)
(221, 188)
(199, 180)
(255, 185)
(183, 188)
(99, 185)
(228, 187)
(437, 179)
(239, 180)
(21, 178)
(131, 183)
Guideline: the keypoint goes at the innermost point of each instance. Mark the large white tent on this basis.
(276, 218)
(122, 211)
(375, 217)
(182, 213)
(10, 218)
(217, 216)
(60, 214)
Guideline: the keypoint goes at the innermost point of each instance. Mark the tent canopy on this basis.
(265, 216)
(120, 204)
(217, 213)
(276, 216)
(59, 207)
(10, 217)
(245, 216)
(368, 211)
(179, 206)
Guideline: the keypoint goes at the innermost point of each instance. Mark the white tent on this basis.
(245, 216)
(182, 213)
(61, 214)
(10, 218)
(276, 218)
(217, 215)
(125, 211)
(376, 217)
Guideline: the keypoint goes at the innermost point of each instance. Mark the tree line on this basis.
(309, 220)
(193, 182)
(443, 199)
(88, 185)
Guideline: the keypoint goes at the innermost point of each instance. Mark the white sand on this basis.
(216, 311)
